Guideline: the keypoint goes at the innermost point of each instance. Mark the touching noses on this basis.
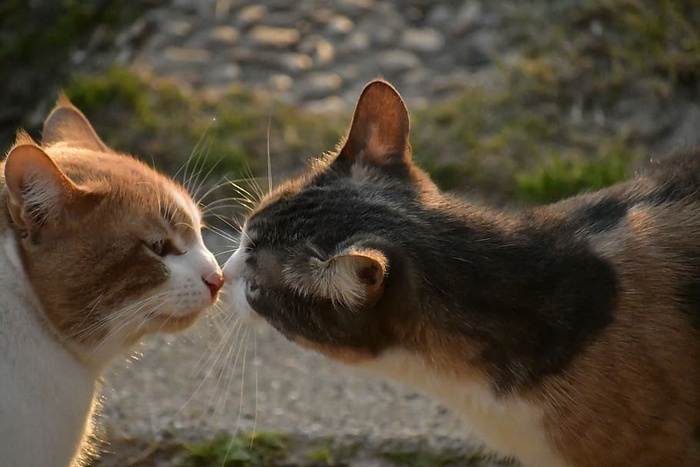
(214, 280)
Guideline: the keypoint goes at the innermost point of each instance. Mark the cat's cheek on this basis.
(235, 301)
(186, 291)
(234, 292)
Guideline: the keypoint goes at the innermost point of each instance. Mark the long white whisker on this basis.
(269, 164)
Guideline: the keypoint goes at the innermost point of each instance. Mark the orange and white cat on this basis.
(96, 250)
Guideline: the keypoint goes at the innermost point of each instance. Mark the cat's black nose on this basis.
(214, 280)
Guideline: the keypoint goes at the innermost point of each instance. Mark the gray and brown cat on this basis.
(566, 335)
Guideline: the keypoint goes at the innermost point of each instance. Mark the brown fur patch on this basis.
(345, 355)
(636, 386)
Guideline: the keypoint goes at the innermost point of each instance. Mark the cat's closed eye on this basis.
(163, 247)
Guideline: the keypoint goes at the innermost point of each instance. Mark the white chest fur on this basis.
(46, 394)
(509, 426)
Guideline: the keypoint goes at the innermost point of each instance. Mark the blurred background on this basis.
(512, 103)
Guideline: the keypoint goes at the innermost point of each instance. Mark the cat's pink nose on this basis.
(214, 280)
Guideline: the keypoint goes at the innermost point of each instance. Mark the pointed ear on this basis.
(38, 190)
(67, 123)
(380, 127)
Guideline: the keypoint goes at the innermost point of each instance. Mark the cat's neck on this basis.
(509, 424)
(24, 311)
(527, 289)
(48, 383)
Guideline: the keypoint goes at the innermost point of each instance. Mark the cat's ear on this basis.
(355, 277)
(66, 123)
(380, 127)
(38, 192)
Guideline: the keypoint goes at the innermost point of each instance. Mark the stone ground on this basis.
(317, 54)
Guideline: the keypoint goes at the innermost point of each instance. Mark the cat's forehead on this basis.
(133, 188)
(181, 213)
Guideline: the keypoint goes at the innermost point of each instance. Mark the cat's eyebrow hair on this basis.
(182, 221)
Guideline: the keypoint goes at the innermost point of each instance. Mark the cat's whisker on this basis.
(269, 163)
(232, 235)
(257, 392)
(200, 184)
(243, 366)
(255, 184)
(231, 344)
(104, 322)
(236, 199)
(238, 227)
(255, 196)
(193, 153)
(217, 310)
(224, 234)
(128, 315)
(206, 358)
(226, 390)
(227, 252)
(198, 155)
(242, 390)
(92, 306)
(220, 183)
(228, 207)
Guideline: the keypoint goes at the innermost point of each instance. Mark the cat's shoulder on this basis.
(676, 175)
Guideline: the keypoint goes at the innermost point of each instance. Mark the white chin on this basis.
(234, 300)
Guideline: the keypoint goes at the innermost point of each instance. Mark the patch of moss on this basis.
(242, 450)
(225, 136)
(492, 143)
(585, 69)
(446, 458)
(560, 177)
(501, 148)
(321, 455)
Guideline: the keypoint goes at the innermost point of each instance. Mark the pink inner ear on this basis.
(370, 274)
(380, 127)
(375, 145)
(37, 187)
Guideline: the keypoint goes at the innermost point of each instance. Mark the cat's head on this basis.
(111, 248)
(321, 258)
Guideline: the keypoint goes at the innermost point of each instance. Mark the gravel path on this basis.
(319, 53)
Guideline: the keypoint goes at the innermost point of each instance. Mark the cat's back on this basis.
(643, 370)
(655, 212)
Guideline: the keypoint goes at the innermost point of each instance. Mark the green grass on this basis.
(489, 143)
(560, 177)
(242, 450)
(445, 458)
(157, 120)
(264, 449)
